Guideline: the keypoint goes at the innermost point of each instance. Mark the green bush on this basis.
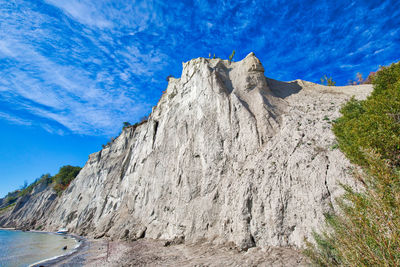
(375, 122)
(367, 230)
(327, 81)
(59, 182)
(64, 177)
(28, 189)
(10, 200)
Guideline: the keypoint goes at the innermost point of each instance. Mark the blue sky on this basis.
(72, 71)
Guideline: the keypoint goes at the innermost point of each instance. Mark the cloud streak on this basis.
(58, 69)
(14, 119)
(86, 66)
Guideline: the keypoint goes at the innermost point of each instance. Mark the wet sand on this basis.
(52, 261)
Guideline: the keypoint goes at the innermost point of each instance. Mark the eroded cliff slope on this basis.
(227, 155)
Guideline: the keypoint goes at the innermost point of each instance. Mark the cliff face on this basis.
(30, 208)
(227, 155)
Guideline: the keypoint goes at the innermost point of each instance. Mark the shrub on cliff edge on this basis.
(366, 231)
(327, 81)
(28, 189)
(64, 177)
(375, 122)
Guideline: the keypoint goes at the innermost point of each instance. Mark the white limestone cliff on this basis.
(227, 155)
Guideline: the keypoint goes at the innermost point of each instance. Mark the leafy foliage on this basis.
(28, 189)
(375, 122)
(231, 56)
(10, 199)
(359, 79)
(367, 230)
(59, 182)
(370, 77)
(327, 81)
(64, 177)
(25, 185)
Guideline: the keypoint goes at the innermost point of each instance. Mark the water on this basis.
(19, 248)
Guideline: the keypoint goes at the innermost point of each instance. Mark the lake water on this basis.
(19, 248)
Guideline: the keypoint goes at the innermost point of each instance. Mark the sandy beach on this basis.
(82, 245)
(35, 248)
(148, 252)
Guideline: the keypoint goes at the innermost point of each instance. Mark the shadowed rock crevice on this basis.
(284, 89)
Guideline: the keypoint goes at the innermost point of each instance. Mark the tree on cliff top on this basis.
(64, 177)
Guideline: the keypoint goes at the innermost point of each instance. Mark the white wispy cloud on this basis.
(349, 66)
(71, 73)
(14, 119)
(86, 12)
(86, 66)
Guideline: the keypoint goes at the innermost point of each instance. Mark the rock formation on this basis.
(227, 155)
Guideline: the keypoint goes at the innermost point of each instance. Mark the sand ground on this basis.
(147, 252)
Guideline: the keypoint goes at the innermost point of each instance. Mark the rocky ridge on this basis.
(227, 155)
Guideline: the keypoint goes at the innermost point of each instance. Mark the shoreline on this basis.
(152, 252)
(81, 243)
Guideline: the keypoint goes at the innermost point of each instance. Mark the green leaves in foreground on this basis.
(373, 123)
(366, 231)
